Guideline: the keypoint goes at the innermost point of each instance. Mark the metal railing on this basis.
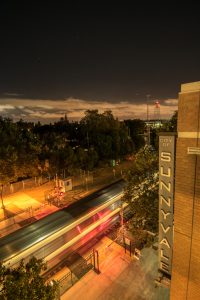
(77, 271)
(24, 185)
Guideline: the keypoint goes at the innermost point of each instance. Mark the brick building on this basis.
(185, 281)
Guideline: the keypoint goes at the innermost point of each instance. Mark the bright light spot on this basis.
(79, 229)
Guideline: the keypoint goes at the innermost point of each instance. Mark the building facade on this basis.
(185, 280)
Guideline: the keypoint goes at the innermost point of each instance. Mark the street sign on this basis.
(167, 143)
(127, 241)
(113, 162)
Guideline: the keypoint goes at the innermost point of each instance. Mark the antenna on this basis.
(148, 96)
(157, 111)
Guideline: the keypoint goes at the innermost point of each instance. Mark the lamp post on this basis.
(2, 204)
(122, 221)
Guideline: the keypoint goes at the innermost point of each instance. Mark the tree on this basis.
(141, 191)
(105, 134)
(136, 129)
(25, 282)
(171, 125)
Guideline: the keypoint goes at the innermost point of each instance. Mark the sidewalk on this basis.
(24, 207)
(121, 277)
(27, 206)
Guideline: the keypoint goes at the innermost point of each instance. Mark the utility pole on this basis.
(148, 96)
(148, 127)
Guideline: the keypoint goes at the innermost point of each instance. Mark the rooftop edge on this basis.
(190, 87)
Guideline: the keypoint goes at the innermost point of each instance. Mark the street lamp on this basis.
(2, 204)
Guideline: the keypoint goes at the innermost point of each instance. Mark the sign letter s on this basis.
(166, 156)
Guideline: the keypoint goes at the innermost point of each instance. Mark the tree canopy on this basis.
(29, 149)
(171, 125)
(136, 129)
(25, 282)
(141, 191)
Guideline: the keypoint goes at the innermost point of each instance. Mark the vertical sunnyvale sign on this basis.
(166, 200)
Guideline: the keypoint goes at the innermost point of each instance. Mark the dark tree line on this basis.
(29, 149)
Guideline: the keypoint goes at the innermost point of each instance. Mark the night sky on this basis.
(57, 59)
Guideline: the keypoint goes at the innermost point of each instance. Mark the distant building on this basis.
(155, 123)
